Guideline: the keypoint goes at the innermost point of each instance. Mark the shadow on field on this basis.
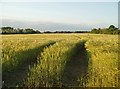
(76, 68)
(16, 76)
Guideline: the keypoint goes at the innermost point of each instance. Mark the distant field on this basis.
(60, 60)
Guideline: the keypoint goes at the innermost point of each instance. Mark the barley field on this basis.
(60, 60)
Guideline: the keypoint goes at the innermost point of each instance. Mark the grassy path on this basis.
(17, 76)
(76, 68)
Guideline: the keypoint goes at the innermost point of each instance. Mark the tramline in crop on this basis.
(49, 54)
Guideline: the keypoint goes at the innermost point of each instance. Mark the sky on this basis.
(59, 15)
(59, 0)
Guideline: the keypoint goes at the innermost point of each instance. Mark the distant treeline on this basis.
(10, 30)
(110, 30)
(67, 32)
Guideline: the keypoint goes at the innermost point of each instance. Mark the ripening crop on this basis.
(103, 62)
(51, 63)
(47, 56)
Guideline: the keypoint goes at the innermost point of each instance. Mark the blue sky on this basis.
(84, 14)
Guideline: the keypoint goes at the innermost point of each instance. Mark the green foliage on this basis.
(111, 30)
(10, 30)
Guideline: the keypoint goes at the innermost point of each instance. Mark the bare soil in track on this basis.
(76, 69)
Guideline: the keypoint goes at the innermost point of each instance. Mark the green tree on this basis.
(94, 30)
(112, 27)
(29, 31)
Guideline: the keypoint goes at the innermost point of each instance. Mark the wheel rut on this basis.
(16, 77)
(76, 68)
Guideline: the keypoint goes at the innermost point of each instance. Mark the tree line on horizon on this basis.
(10, 30)
(110, 30)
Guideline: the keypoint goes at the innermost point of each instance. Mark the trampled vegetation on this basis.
(60, 60)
